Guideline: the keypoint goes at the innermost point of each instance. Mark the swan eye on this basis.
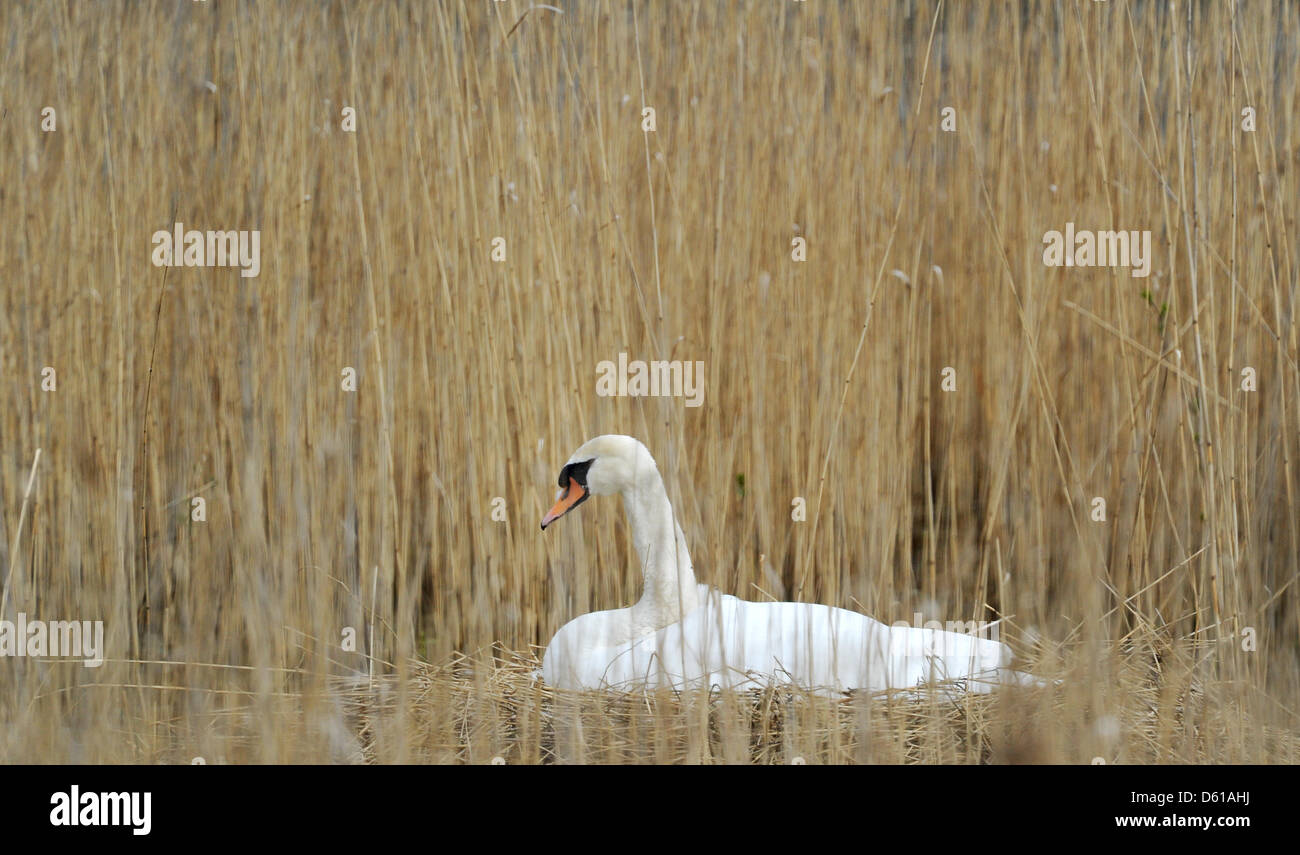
(576, 471)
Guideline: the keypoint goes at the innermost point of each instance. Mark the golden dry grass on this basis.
(372, 509)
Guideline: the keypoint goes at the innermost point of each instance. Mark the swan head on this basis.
(602, 466)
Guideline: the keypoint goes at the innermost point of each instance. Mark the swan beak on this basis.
(568, 500)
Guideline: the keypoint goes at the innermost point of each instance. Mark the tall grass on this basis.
(330, 510)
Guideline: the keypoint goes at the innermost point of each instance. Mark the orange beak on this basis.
(569, 499)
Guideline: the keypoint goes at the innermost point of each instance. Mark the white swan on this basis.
(681, 634)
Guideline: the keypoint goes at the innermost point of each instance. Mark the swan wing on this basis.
(729, 643)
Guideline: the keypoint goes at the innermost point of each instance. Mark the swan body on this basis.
(681, 634)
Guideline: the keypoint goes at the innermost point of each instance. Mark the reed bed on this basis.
(369, 584)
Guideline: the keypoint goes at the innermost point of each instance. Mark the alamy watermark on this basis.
(939, 643)
(94, 809)
(79, 639)
(1085, 248)
(193, 248)
(657, 378)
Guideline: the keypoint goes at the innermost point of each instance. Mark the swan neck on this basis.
(670, 589)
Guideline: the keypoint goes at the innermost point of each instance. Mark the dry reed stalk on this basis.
(369, 514)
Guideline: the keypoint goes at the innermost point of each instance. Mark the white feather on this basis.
(684, 635)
